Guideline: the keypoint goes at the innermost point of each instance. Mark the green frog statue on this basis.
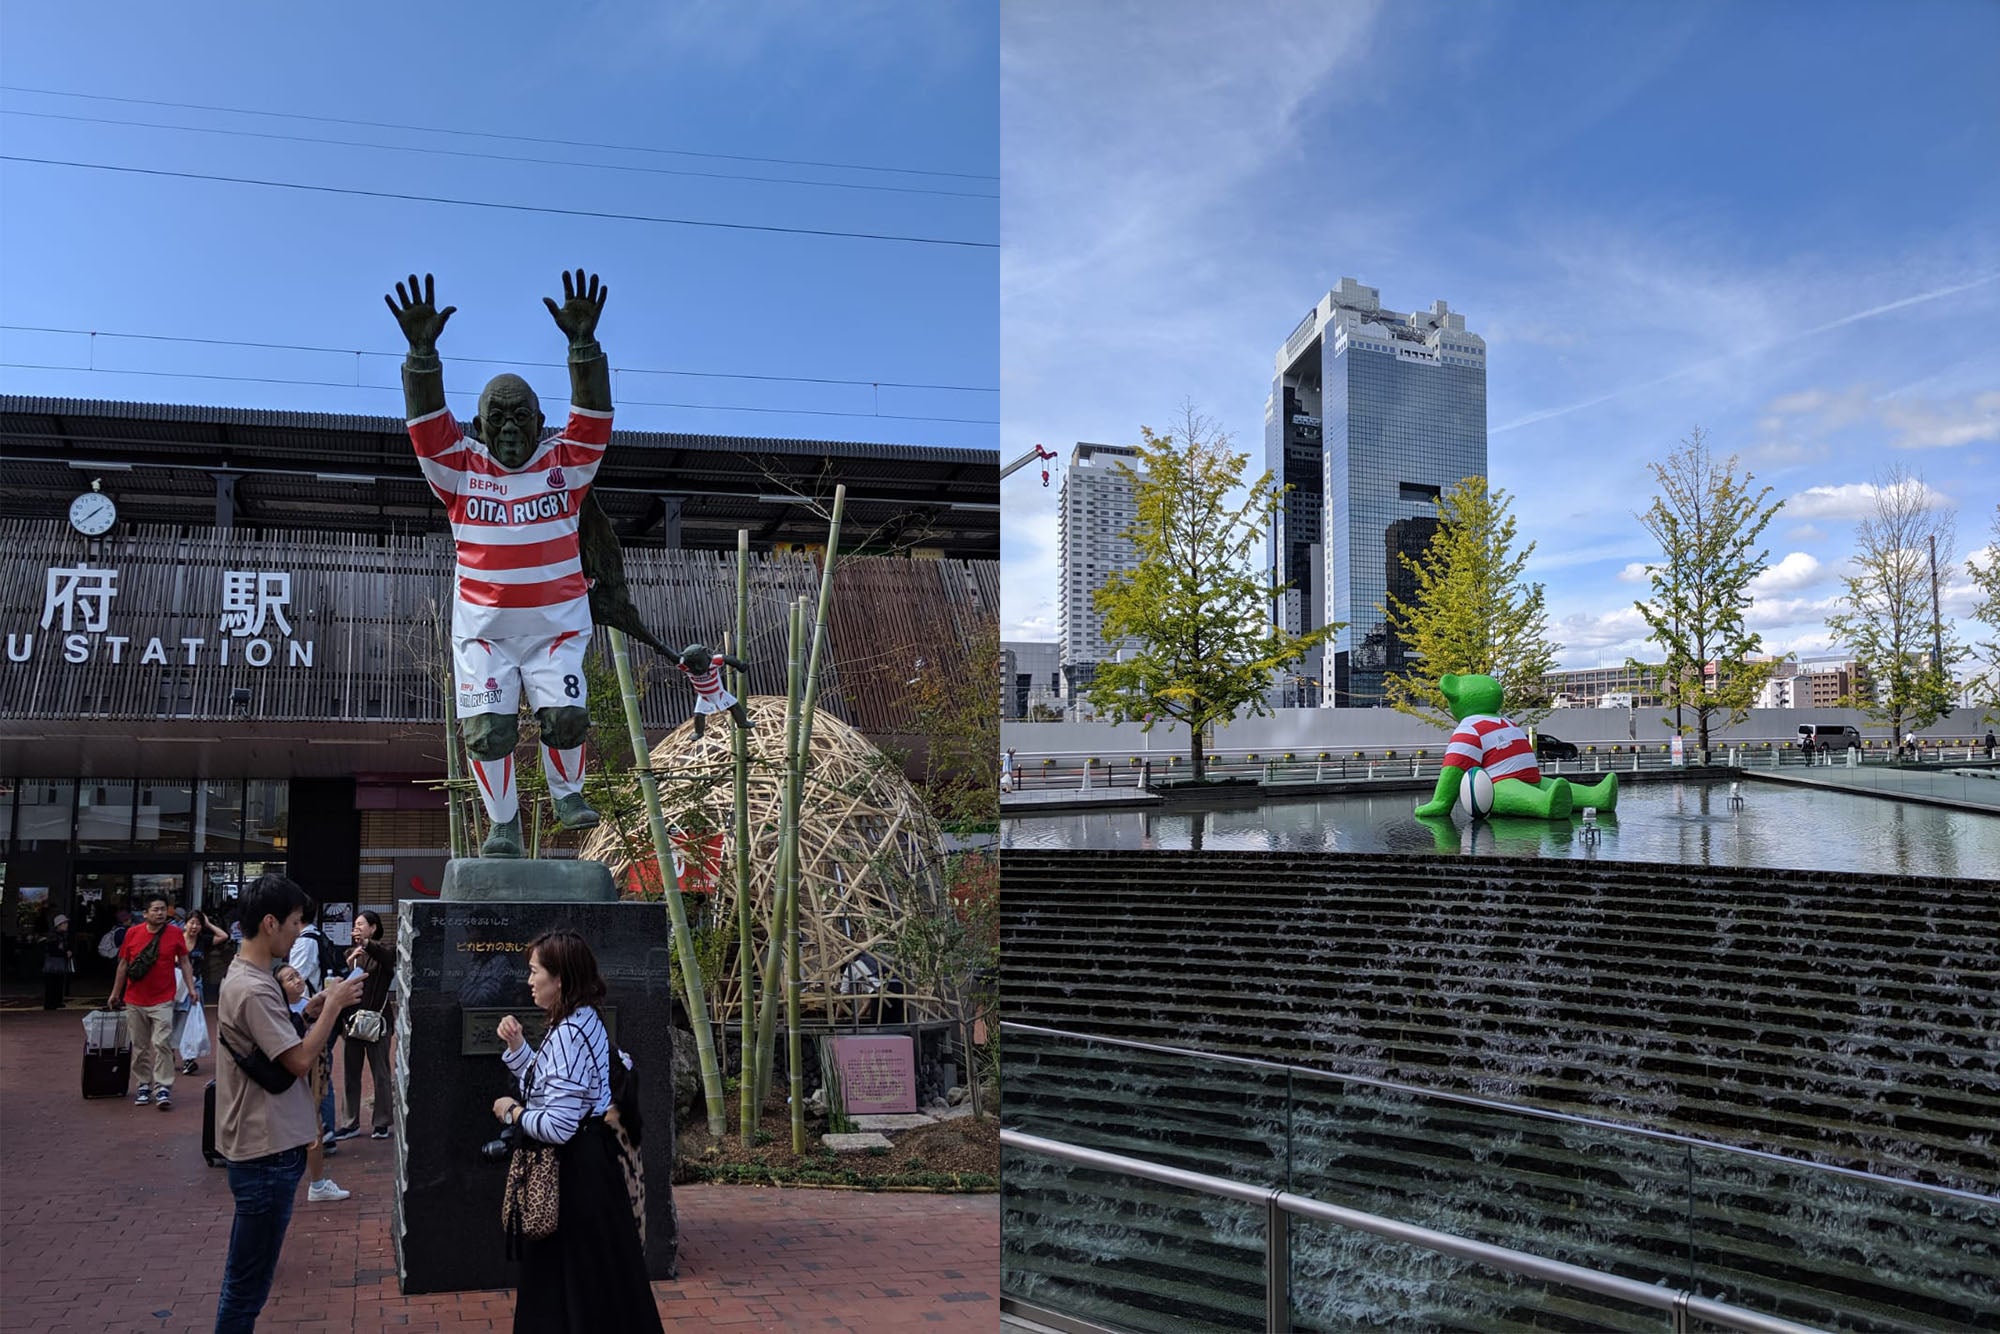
(1486, 743)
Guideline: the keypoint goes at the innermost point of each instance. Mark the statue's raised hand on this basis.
(577, 315)
(416, 311)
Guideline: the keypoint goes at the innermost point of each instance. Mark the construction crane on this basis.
(1045, 455)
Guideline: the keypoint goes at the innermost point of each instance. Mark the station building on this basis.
(224, 633)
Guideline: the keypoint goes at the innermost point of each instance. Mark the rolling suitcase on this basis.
(208, 1153)
(107, 1055)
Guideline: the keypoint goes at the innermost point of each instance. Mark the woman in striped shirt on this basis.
(591, 1274)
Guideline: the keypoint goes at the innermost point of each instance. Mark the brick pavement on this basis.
(109, 1220)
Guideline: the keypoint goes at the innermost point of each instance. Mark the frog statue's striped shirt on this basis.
(519, 573)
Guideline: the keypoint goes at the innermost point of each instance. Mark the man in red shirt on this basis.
(151, 951)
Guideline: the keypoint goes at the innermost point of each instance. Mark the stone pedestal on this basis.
(526, 880)
(462, 965)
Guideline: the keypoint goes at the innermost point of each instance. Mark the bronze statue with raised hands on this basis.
(521, 618)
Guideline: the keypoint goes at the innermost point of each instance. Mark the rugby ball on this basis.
(1475, 794)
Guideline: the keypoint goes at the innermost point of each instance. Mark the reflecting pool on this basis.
(1688, 822)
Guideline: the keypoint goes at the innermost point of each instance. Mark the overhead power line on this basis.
(509, 208)
(471, 394)
(506, 157)
(495, 361)
(516, 138)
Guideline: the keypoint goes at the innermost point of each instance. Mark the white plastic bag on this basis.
(194, 1035)
(104, 1030)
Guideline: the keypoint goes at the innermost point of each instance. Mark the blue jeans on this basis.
(264, 1189)
(326, 1103)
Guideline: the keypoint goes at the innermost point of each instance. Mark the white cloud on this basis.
(1854, 500)
(1638, 572)
(1945, 425)
(1916, 423)
(1612, 634)
(1776, 615)
(1797, 570)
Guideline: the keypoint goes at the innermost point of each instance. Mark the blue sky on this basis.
(904, 87)
(1772, 220)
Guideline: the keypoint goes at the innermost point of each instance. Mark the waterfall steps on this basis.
(1850, 1020)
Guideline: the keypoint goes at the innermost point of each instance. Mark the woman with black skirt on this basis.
(591, 1274)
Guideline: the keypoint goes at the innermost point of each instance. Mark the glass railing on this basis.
(1813, 1244)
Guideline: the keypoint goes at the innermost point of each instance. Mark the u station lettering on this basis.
(76, 619)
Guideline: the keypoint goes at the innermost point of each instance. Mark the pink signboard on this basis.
(877, 1074)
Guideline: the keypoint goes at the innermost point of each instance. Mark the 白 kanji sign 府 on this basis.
(77, 621)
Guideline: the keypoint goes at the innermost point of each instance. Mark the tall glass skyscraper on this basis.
(1372, 415)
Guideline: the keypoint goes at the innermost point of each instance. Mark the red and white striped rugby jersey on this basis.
(518, 569)
(1495, 745)
(708, 683)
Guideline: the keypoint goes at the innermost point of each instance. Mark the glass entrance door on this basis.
(99, 894)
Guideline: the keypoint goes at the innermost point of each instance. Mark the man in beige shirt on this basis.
(263, 1131)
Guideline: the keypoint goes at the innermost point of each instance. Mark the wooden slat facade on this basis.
(368, 605)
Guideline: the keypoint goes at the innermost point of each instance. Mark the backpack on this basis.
(332, 959)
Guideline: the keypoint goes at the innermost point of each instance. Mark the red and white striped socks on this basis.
(496, 788)
(564, 771)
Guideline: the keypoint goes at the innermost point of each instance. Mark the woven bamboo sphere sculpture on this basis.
(869, 850)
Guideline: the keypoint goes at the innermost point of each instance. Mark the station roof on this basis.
(349, 473)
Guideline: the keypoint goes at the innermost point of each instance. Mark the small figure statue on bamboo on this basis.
(521, 607)
(710, 695)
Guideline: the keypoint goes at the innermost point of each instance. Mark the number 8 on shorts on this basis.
(493, 672)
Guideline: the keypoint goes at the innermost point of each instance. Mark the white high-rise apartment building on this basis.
(1097, 507)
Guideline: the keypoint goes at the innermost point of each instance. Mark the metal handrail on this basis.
(1279, 1206)
(1488, 1104)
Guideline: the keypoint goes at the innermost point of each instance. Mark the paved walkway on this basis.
(109, 1220)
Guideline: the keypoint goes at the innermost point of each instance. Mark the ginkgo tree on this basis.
(1891, 622)
(1471, 611)
(1708, 518)
(1197, 607)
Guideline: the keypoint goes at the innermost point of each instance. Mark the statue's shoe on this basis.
(1603, 794)
(1548, 800)
(573, 812)
(504, 841)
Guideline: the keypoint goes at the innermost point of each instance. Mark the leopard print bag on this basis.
(533, 1198)
(532, 1201)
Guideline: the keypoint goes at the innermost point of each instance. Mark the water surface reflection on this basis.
(1691, 823)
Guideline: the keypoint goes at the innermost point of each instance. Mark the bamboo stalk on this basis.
(670, 882)
(797, 745)
(794, 1053)
(819, 620)
(750, 1110)
(798, 748)
(775, 945)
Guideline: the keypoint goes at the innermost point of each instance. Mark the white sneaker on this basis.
(325, 1191)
